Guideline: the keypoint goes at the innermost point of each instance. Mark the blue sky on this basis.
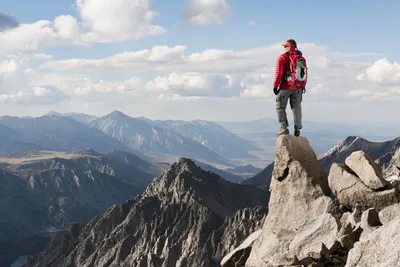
(347, 26)
(325, 30)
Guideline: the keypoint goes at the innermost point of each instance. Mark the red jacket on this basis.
(282, 66)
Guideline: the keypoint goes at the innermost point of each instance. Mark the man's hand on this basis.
(276, 91)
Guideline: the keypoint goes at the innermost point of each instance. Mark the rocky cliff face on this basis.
(305, 227)
(186, 217)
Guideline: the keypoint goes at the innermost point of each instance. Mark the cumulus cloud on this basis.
(7, 22)
(209, 60)
(204, 12)
(116, 21)
(192, 85)
(100, 21)
(89, 87)
(36, 96)
(230, 73)
(257, 84)
(318, 89)
(27, 38)
(17, 85)
(139, 60)
(381, 71)
(173, 74)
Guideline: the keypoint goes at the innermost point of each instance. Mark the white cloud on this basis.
(13, 97)
(27, 38)
(257, 84)
(116, 21)
(381, 71)
(356, 93)
(209, 60)
(204, 12)
(80, 86)
(41, 91)
(131, 85)
(140, 60)
(193, 85)
(35, 96)
(395, 90)
(9, 66)
(66, 27)
(212, 72)
(318, 89)
(170, 76)
(380, 95)
(17, 85)
(100, 21)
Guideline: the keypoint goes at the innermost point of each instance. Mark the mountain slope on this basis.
(212, 136)
(80, 117)
(145, 137)
(178, 221)
(42, 194)
(8, 143)
(60, 133)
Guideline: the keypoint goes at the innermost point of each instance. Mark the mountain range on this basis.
(212, 136)
(189, 216)
(145, 137)
(152, 140)
(225, 145)
(55, 133)
(72, 182)
(45, 192)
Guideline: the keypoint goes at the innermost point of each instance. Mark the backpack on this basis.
(298, 72)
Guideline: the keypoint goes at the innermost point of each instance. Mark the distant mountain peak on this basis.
(53, 113)
(118, 113)
(201, 122)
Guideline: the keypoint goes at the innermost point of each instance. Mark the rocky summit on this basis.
(344, 219)
(186, 217)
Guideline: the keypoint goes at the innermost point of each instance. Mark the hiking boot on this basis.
(296, 132)
(283, 131)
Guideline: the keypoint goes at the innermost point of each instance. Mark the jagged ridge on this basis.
(170, 224)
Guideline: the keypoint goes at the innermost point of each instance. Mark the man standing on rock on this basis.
(290, 83)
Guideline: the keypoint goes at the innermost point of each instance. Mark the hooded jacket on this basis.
(282, 66)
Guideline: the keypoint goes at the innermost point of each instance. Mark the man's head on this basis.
(290, 44)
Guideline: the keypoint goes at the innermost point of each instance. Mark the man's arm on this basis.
(278, 72)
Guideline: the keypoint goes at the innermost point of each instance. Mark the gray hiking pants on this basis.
(295, 96)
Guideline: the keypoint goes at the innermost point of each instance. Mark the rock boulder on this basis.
(366, 169)
(301, 226)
